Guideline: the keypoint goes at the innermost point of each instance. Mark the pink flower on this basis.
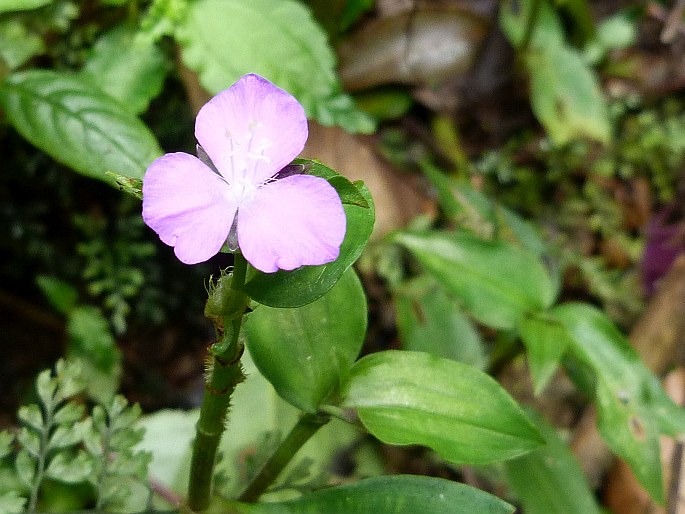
(249, 132)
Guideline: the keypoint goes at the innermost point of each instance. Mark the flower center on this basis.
(242, 158)
(242, 190)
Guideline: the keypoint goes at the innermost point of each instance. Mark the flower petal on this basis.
(292, 222)
(188, 205)
(251, 130)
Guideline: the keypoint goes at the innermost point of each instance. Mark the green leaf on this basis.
(17, 43)
(30, 441)
(566, 96)
(61, 295)
(21, 5)
(25, 466)
(399, 494)
(277, 39)
(6, 440)
(69, 468)
(549, 480)
(77, 124)
(68, 414)
(430, 321)
(633, 408)
(349, 192)
(68, 379)
(296, 288)
(546, 342)
(128, 66)
(532, 22)
(65, 436)
(12, 503)
(46, 387)
(32, 416)
(496, 282)
(306, 352)
(458, 411)
(90, 338)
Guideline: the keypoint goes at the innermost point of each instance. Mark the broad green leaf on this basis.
(546, 342)
(430, 321)
(77, 124)
(496, 282)
(296, 288)
(278, 39)
(306, 352)
(566, 96)
(399, 494)
(61, 295)
(463, 414)
(128, 66)
(17, 43)
(633, 408)
(549, 480)
(21, 5)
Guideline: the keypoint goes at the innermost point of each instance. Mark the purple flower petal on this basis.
(288, 223)
(251, 130)
(188, 205)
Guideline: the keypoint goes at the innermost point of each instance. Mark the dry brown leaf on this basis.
(397, 201)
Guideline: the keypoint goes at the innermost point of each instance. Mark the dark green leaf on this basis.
(458, 411)
(546, 342)
(296, 288)
(306, 352)
(350, 193)
(400, 494)
(633, 408)
(496, 282)
(61, 295)
(549, 480)
(430, 321)
(128, 66)
(77, 124)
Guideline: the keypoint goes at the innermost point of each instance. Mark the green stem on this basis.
(306, 427)
(226, 373)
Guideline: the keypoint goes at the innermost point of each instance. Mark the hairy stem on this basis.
(305, 428)
(225, 374)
